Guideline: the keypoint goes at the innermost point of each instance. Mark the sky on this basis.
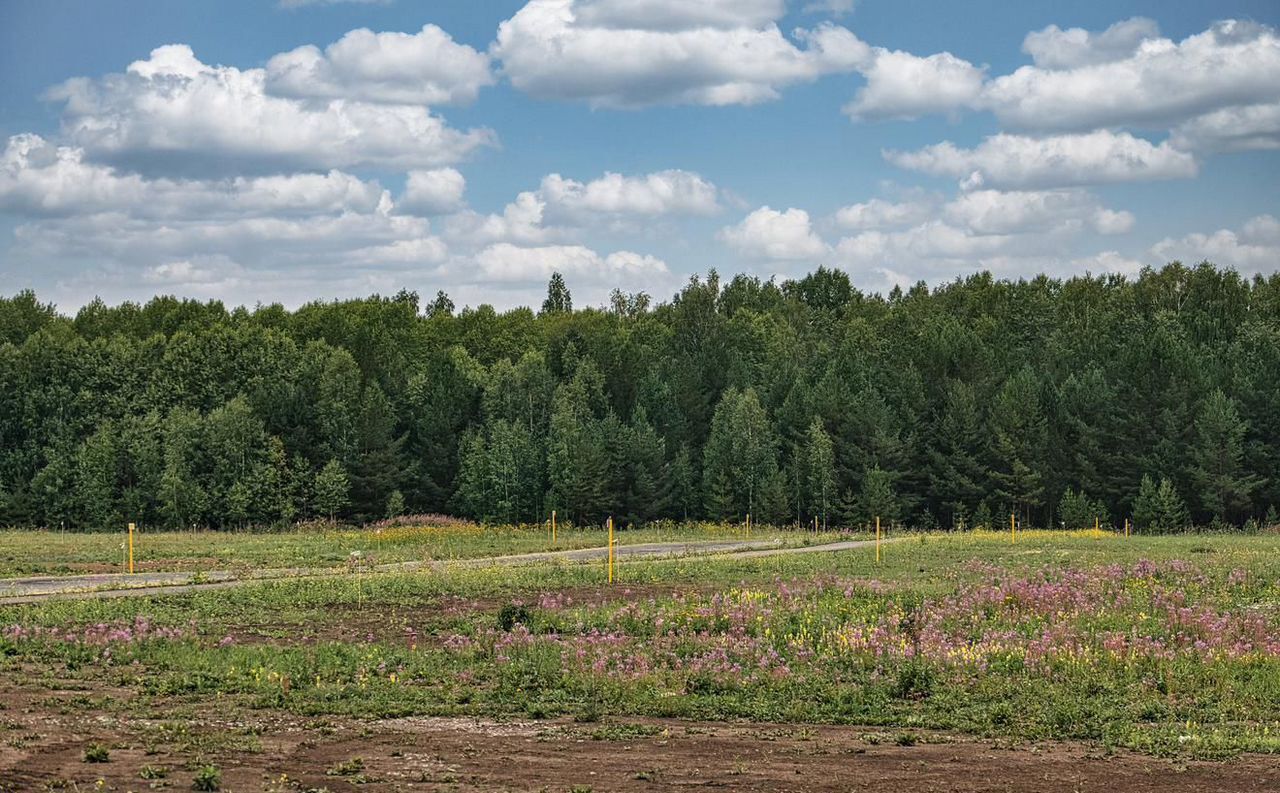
(261, 151)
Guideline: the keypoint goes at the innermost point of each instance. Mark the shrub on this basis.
(208, 777)
(96, 753)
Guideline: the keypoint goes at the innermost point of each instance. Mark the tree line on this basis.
(1155, 398)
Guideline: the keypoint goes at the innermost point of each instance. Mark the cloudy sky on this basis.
(288, 150)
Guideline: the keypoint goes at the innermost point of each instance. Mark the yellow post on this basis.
(1126, 527)
(1013, 529)
(877, 539)
(131, 548)
(1097, 529)
(553, 527)
(748, 524)
(610, 549)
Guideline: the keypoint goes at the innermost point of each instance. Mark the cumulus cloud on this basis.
(659, 193)
(769, 234)
(615, 53)
(172, 112)
(1159, 84)
(1006, 160)
(426, 68)
(997, 212)
(1016, 232)
(1254, 248)
(506, 262)
(1254, 127)
(560, 205)
(1055, 48)
(881, 214)
(433, 192)
(674, 15)
(38, 178)
(902, 86)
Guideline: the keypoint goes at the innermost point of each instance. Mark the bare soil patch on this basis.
(274, 751)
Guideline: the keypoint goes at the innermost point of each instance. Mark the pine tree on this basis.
(818, 467)
(957, 476)
(1146, 506)
(1217, 455)
(1078, 511)
(558, 301)
(1018, 440)
(332, 490)
(741, 461)
(1159, 508)
(878, 498)
(1171, 509)
(395, 504)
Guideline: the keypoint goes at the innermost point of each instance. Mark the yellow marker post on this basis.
(1013, 529)
(610, 549)
(877, 539)
(553, 527)
(748, 524)
(130, 548)
(1097, 529)
(1126, 527)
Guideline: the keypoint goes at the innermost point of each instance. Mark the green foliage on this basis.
(180, 414)
(97, 753)
(1078, 511)
(331, 490)
(741, 475)
(1159, 508)
(1218, 470)
(395, 504)
(207, 777)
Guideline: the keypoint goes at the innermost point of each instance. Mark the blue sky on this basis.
(268, 151)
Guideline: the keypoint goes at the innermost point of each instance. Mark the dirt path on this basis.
(105, 585)
(462, 754)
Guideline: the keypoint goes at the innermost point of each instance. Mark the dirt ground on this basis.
(272, 751)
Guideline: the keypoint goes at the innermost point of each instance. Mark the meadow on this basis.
(1166, 646)
(319, 545)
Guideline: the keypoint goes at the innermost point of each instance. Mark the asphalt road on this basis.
(110, 585)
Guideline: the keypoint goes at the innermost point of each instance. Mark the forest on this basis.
(1154, 398)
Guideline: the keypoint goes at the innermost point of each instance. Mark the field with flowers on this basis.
(1167, 646)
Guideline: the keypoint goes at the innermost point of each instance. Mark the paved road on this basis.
(112, 585)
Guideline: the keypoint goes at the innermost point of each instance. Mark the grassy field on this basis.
(25, 552)
(1168, 646)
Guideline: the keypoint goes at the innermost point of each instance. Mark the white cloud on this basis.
(1254, 127)
(834, 7)
(560, 205)
(1055, 48)
(770, 234)
(38, 178)
(659, 193)
(902, 86)
(1255, 248)
(433, 192)
(506, 262)
(521, 221)
(1014, 233)
(996, 212)
(880, 214)
(174, 113)
(1160, 84)
(1006, 160)
(673, 15)
(632, 54)
(426, 68)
